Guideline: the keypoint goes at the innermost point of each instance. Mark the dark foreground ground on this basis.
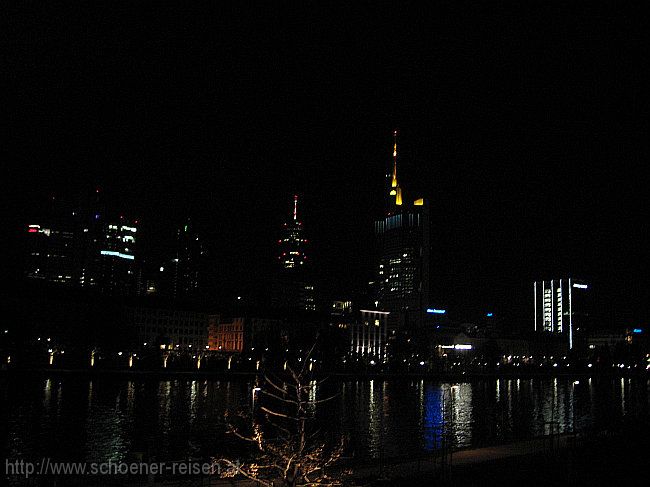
(622, 459)
(619, 457)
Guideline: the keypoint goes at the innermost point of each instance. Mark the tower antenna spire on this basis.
(393, 183)
(295, 207)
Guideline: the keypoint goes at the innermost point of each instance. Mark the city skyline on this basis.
(324, 243)
(527, 178)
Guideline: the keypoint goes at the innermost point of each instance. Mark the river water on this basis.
(84, 420)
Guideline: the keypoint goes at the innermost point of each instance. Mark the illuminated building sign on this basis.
(637, 330)
(580, 286)
(489, 315)
(436, 311)
(117, 254)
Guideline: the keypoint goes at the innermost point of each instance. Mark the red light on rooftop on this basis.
(32, 230)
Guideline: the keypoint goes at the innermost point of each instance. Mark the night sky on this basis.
(520, 123)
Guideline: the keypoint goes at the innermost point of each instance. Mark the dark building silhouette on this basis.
(182, 276)
(402, 237)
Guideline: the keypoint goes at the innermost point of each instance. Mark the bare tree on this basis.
(288, 451)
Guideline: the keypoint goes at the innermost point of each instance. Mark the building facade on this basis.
(169, 328)
(369, 336)
(226, 337)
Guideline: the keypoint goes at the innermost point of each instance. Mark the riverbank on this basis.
(234, 375)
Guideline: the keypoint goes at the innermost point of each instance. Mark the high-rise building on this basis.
(53, 245)
(294, 288)
(292, 243)
(559, 307)
(402, 282)
(79, 245)
(118, 273)
(50, 254)
(182, 276)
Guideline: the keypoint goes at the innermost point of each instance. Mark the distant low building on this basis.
(170, 328)
(341, 315)
(605, 339)
(369, 336)
(459, 343)
(226, 337)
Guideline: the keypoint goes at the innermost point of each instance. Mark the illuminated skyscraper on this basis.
(402, 285)
(78, 245)
(117, 266)
(53, 245)
(292, 243)
(185, 269)
(559, 305)
(295, 288)
(50, 255)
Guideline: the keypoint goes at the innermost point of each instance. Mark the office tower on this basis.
(52, 245)
(78, 245)
(292, 244)
(183, 275)
(91, 235)
(295, 288)
(559, 306)
(402, 237)
(117, 272)
(50, 254)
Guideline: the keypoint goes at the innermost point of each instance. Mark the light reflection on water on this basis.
(109, 419)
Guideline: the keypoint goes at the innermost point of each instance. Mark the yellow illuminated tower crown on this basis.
(395, 189)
